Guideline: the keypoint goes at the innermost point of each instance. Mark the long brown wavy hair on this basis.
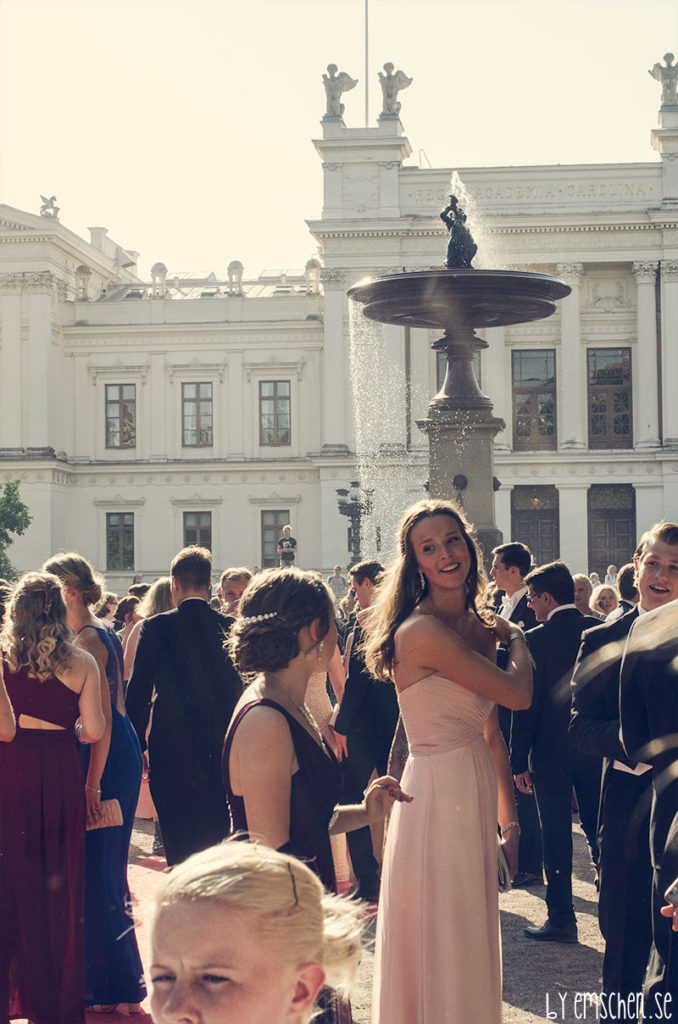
(404, 587)
(35, 635)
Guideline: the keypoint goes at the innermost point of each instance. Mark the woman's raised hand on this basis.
(381, 794)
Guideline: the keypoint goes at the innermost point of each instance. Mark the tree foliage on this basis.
(14, 520)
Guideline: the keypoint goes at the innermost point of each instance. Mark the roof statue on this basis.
(667, 74)
(49, 207)
(335, 84)
(391, 85)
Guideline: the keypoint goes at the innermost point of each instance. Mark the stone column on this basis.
(571, 381)
(669, 276)
(645, 382)
(389, 201)
(502, 502)
(574, 534)
(335, 379)
(235, 438)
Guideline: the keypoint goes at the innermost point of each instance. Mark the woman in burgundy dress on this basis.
(54, 690)
(282, 783)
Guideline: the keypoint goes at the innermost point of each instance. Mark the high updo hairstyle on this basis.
(295, 919)
(77, 574)
(35, 635)
(289, 599)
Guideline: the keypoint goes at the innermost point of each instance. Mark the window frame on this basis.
(197, 402)
(275, 442)
(282, 518)
(610, 440)
(122, 404)
(535, 442)
(122, 529)
(199, 541)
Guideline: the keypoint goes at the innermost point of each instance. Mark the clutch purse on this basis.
(503, 876)
(110, 816)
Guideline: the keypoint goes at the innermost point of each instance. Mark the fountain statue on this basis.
(460, 423)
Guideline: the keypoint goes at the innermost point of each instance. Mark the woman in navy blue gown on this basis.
(113, 971)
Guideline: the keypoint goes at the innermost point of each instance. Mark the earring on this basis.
(321, 645)
(422, 579)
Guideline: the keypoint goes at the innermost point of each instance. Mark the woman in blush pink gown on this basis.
(438, 955)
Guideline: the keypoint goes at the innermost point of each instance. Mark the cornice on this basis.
(139, 370)
(197, 499)
(268, 366)
(196, 367)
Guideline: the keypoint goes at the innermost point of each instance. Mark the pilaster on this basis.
(572, 429)
(573, 510)
(669, 349)
(334, 374)
(645, 379)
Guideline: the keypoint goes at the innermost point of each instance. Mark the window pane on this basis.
(120, 407)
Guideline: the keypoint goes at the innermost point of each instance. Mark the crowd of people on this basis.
(444, 723)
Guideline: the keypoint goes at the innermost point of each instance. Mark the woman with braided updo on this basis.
(282, 783)
(54, 691)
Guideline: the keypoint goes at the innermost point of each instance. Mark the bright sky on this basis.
(185, 126)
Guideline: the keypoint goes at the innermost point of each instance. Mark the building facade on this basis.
(140, 416)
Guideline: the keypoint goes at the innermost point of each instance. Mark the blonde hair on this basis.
(158, 599)
(595, 597)
(295, 918)
(402, 587)
(35, 635)
(76, 573)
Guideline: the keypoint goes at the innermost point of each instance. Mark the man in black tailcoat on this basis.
(625, 870)
(510, 566)
(542, 755)
(649, 721)
(181, 657)
(365, 724)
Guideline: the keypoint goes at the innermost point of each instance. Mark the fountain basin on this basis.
(459, 299)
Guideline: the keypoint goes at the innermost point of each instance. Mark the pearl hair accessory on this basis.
(258, 618)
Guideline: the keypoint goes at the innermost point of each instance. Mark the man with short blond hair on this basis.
(182, 670)
(231, 588)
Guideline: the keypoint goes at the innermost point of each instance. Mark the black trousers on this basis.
(530, 858)
(366, 751)
(553, 790)
(625, 871)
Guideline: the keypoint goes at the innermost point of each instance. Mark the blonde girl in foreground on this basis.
(243, 934)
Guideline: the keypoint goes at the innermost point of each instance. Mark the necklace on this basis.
(301, 708)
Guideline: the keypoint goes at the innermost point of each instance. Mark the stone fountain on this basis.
(458, 300)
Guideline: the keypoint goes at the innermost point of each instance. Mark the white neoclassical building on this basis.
(140, 415)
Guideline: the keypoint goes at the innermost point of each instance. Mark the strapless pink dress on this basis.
(438, 952)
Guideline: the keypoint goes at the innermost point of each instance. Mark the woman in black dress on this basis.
(282, 783)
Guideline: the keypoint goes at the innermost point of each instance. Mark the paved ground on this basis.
(542, 981)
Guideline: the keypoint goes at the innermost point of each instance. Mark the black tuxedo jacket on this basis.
(648, 698)
(368, 704)
(539, 737)
(524, 617)
(181, 656)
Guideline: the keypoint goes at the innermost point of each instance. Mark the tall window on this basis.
(534, 400)
(274, 412)
(535, 521)
(196, 411)
(272, 522)
(198, 529)
(609, 395)
(612, 525)
(119, 541)
(121, 416)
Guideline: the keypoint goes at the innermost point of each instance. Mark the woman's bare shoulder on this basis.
(80, 663)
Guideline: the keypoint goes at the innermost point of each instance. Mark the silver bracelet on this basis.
(511, 824)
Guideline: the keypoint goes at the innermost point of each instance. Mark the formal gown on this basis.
(42, 858)
(438, 952)
(113, 971)
(313, 797)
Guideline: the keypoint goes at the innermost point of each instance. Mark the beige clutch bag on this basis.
(110, 816)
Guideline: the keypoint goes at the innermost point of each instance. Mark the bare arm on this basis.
(89, 641)
(506, 810)
(7, 722)
(424, 645)
(91, 724)
(261, 765)
(336, 673)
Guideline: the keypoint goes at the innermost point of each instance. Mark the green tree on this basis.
(14, 519)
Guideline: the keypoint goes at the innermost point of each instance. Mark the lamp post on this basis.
(354, 503)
